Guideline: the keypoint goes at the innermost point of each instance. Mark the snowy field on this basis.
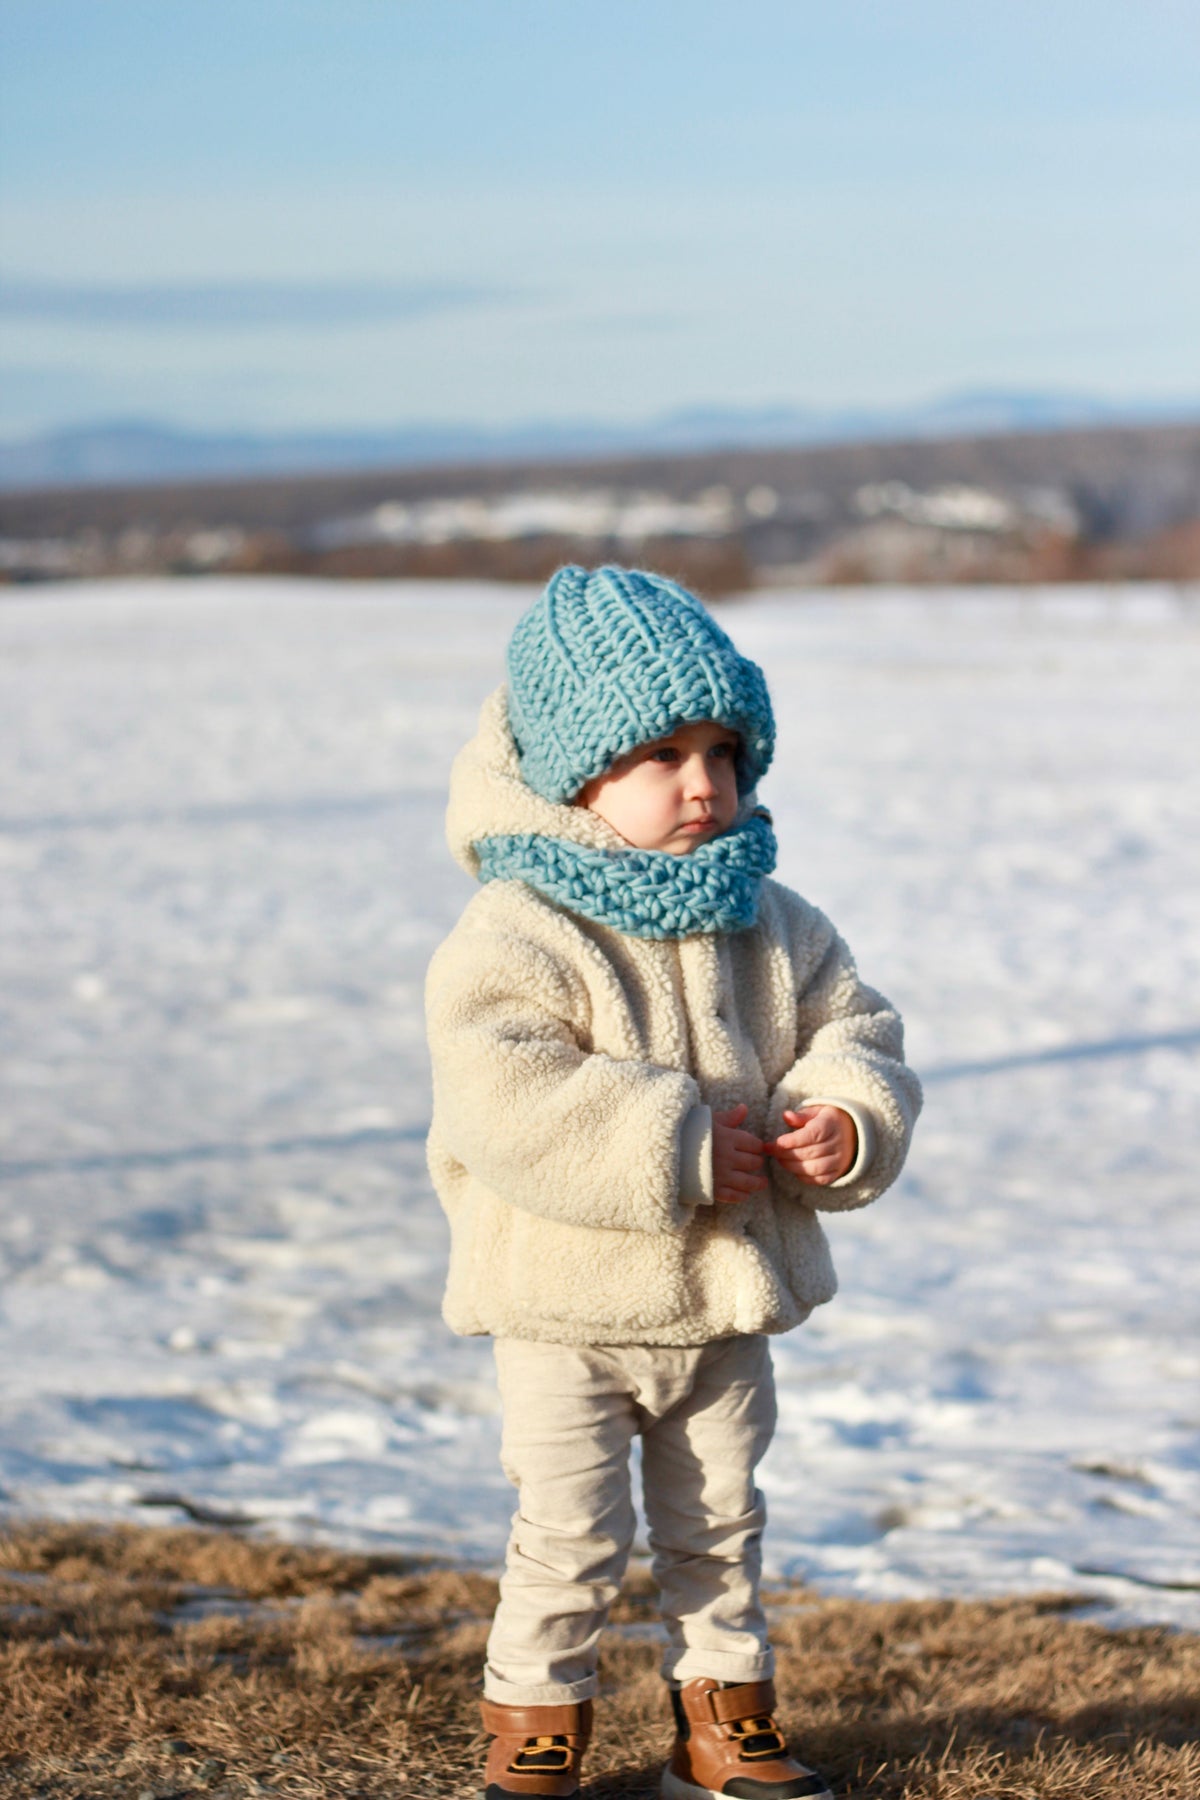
(222, 873)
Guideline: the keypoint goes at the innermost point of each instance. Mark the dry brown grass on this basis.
(163, 1662)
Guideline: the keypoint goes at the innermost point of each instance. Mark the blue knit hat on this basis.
(607, 659)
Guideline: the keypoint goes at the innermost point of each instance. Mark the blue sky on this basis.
(272, 214)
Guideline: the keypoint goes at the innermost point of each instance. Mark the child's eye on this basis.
(725, 750)
(665, 754)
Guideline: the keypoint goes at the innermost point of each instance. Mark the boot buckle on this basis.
(542, 1756)
(757, 1739)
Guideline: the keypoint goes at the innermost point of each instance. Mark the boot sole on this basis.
(673, 1788)
(481, 1794)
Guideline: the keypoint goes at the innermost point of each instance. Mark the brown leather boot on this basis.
(535, 1750)
(729, 1747)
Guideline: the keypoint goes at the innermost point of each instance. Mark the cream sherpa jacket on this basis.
(576, 1071)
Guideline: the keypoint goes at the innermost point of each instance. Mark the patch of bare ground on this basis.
(155, 1662)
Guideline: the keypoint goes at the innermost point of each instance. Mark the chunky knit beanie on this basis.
(607, 659)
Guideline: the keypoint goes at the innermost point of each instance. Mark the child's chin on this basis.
(678, 843)
(671, 846)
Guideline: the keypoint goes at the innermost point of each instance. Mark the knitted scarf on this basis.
(643, 893)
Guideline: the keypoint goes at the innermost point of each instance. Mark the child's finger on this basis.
(733, 1117)
(750, 1180)
(747, 1144)
(803, 1156)
(740, 1142)
(821, 1169)
(730, 1189)
(746, 1165)
(820, 1163)
(816, 1133)
(741, 1172)
(739, 1187)
(825, 1176)
(791, 1140)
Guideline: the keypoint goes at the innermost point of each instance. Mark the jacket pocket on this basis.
(807, 1261)
(614, 1283)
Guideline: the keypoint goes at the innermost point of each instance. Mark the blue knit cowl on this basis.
(643, 893)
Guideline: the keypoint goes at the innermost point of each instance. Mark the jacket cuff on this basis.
(864, 1127)
(695, 1157)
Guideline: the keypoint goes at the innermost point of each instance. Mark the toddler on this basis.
(652, 1065)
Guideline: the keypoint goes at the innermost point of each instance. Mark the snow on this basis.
(223, 875)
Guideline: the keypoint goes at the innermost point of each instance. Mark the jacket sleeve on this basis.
(849, 1053)
(524, 1105)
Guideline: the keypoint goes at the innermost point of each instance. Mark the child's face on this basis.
(673, 794)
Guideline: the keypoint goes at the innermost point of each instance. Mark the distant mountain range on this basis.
(121, 451)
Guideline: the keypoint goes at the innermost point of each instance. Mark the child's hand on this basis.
(820, 1147)
(737, 1158)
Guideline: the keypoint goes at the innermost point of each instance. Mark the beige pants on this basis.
(706, 1415)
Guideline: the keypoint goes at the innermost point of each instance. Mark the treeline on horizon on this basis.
(1082, 505)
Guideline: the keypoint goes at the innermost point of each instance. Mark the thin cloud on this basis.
(239, 305)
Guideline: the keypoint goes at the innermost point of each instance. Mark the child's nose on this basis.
(700, 780)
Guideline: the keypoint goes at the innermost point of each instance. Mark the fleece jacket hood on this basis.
(489, 798)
